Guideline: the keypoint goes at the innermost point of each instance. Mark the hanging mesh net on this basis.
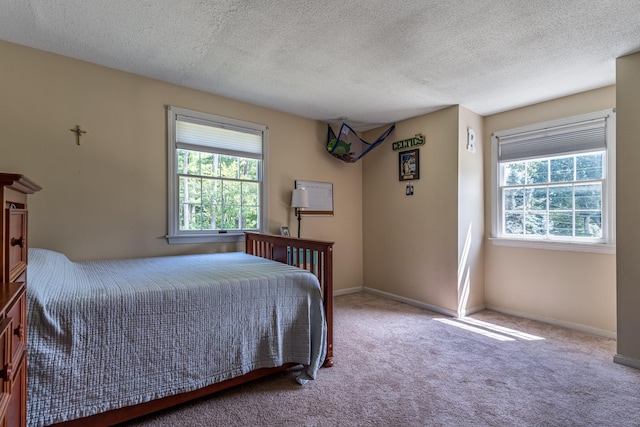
(348, 146)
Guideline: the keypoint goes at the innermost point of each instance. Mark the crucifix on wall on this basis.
(78, 133)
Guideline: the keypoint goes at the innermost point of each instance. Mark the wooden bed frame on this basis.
(312, 255)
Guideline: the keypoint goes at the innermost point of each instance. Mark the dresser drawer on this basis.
(16, 243)
(17, 314)
(6, 368)
(18, 395)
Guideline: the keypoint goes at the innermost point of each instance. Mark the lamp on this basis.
(299, 201)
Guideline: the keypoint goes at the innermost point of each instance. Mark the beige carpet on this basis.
(397, 365)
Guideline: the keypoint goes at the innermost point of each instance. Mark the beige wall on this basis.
(572, 288)
(470, 215)
(628, 212)
(410, 243)
(427, 249)
(108, 197)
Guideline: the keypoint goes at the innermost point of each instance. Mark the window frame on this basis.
(174, 234)
(604, 245)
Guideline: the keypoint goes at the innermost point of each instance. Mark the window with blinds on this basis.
(216, 176)
(554, 181)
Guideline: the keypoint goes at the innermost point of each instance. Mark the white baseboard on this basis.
(470, 311)
(627, 361)
(348, 291)
(412, 302)
(552, 321)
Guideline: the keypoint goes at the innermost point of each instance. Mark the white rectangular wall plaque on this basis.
(320, 197)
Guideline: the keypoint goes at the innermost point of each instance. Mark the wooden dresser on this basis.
(14, 189)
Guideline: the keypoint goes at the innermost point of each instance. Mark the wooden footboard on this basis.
(315, 256)
(312, 255)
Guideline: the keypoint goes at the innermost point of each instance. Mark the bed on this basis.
(109, 341)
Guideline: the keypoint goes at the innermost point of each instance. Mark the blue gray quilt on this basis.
(108, 334)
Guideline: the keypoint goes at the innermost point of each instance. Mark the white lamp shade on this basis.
(300, 198)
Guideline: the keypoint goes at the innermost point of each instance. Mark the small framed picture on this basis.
(409, 164)
(284, 230)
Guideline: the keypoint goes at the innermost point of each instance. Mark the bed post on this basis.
(328, 303)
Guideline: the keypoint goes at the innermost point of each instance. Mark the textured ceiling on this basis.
(370, 61)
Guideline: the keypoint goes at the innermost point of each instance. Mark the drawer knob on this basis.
(19, 331)
(20, 241)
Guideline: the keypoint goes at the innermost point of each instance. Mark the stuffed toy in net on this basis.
(348, 146)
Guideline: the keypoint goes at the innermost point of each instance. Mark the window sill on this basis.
(205, 238)
(598, 248)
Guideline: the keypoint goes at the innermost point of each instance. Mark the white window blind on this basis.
(197, 134)
(558, 140)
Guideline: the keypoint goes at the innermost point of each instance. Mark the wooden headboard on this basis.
(315, 256)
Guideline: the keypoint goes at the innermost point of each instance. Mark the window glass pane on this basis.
(206, 214)
(589, 224)
(230, 217)
(589, 167)
(182, 211)
(589, 196)
(215, 165)
(513, 223)
(189, 162)
(562, 169)
(190, 190)
(248, 169)
(206, 164)
(561, 197)
(211, 191)
(561, 224)
(536, 223)
(196, 218)
(232, 193)
(228, 166)
(513, 199)
(217, 214)
(513, 173)
(190, 216)
(536, 198)
(182, 160)
(537, 172)
(250, 197)
(250, 218)
(250, 193)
